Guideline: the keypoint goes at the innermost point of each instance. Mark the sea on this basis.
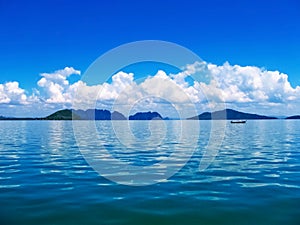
(150, 172)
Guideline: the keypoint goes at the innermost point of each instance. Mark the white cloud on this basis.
(240, 87)
(164, 87)
(60, 76)
(11, 93)
(56, 87)
(251, 84)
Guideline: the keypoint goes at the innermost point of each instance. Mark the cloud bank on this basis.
(241, 87)
(11, 93)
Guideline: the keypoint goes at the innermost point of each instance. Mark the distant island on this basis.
(93, 114)
(146, 116)
(297, 117)
(65, 114)
(70, 114)
(90, 114)
(229, 114)
(102, 114)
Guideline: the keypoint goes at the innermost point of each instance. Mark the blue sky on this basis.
(44, 36)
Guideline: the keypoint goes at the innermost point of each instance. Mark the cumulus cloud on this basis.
(53, 92)
(199, 85)
(11, 93)
(56, 87)
(252, 84)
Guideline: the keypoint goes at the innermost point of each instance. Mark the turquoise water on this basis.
(254, 178)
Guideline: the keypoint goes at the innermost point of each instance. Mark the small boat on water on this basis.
(238, 121)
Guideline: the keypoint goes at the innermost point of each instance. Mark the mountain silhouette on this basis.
(296, 117)
(146, 116)
(229, 114)
(90, 114)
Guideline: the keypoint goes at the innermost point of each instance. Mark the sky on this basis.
(251, 48)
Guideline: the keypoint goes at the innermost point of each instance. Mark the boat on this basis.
(238, 121)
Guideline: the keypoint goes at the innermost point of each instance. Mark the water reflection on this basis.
(12, 138)
(135, 158)
(59, 149)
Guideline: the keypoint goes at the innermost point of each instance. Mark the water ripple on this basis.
(44, 175)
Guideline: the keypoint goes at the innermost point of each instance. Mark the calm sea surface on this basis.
(45, 179)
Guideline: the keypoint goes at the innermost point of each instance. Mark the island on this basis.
(103, 114)
(296, 117)
(229, 114)
(146, 116)
(65, 114)
(90, 114)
